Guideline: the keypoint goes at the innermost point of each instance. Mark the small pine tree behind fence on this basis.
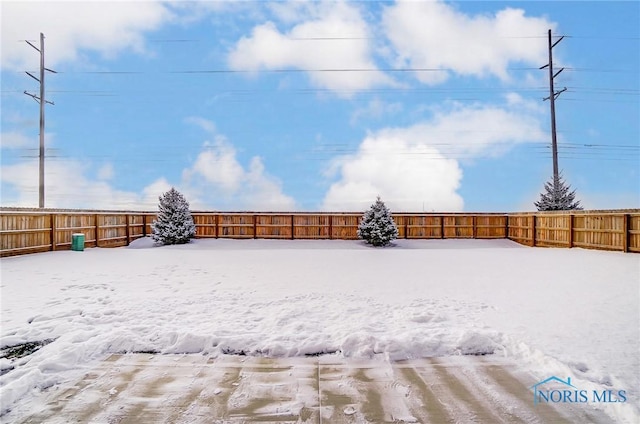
(174, 224)
(557, 196)
(377, 226)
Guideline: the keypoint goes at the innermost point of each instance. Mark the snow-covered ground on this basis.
(563, 312)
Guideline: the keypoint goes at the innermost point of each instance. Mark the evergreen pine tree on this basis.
(174, 224)
(377, 227)
(557, 197)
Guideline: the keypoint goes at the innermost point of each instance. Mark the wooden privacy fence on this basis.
(344, 225)
(38, 231)
(27, 232)
(602, 230)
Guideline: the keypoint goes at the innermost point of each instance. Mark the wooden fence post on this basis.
(330, 227)
(570, 230)
(406, 227)
(626, 236)
(506, 226)
(127, 230)
(144, 225)
(533, 230)
(216, 221)
(474, 229)
(255, 219)
(52, 217)
(441, 227)
(97, 229)
(293, 232)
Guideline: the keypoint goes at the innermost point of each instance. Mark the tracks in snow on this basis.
(143, 388)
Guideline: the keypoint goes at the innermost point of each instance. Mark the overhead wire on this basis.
(609, 91)
(579, 94)
(431, 151)
(319, 70)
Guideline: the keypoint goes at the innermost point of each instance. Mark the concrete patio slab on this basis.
(148, 388)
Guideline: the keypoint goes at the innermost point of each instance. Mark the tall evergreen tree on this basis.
(557, 196)
(174, 224)
(377, 226)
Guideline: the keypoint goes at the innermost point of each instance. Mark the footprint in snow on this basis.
(349, 410)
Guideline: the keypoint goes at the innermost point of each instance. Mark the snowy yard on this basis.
(562, 312)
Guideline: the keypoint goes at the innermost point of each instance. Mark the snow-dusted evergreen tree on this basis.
(557, 196)
(377, 227)
(174, 224)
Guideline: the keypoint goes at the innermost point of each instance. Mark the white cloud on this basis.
(218, 180)
(376, 108)
(306, 47)
(19, 120)
(73, 27)
(105, 172)
(156, 188)
(417, 168)
(204, 124)
(192, 11)
(471, 131)
(434, 35)
(15, 140)
(290, 11)
(265, 191)
(218, 165)
(408, 174)
(18, 140)
(152, 192)
(66, 186)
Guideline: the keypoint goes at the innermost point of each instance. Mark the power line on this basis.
(627, 71)
(323, 70)
(600, 91)
(346, 37)
(167, 152)
(629, 146)
(583, 100)
(602, 37)
(312, 70)
(270, 91)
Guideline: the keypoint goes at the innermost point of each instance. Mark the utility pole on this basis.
(553, 95)
(40, 99)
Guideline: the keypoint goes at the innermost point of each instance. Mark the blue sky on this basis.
(281, 106)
